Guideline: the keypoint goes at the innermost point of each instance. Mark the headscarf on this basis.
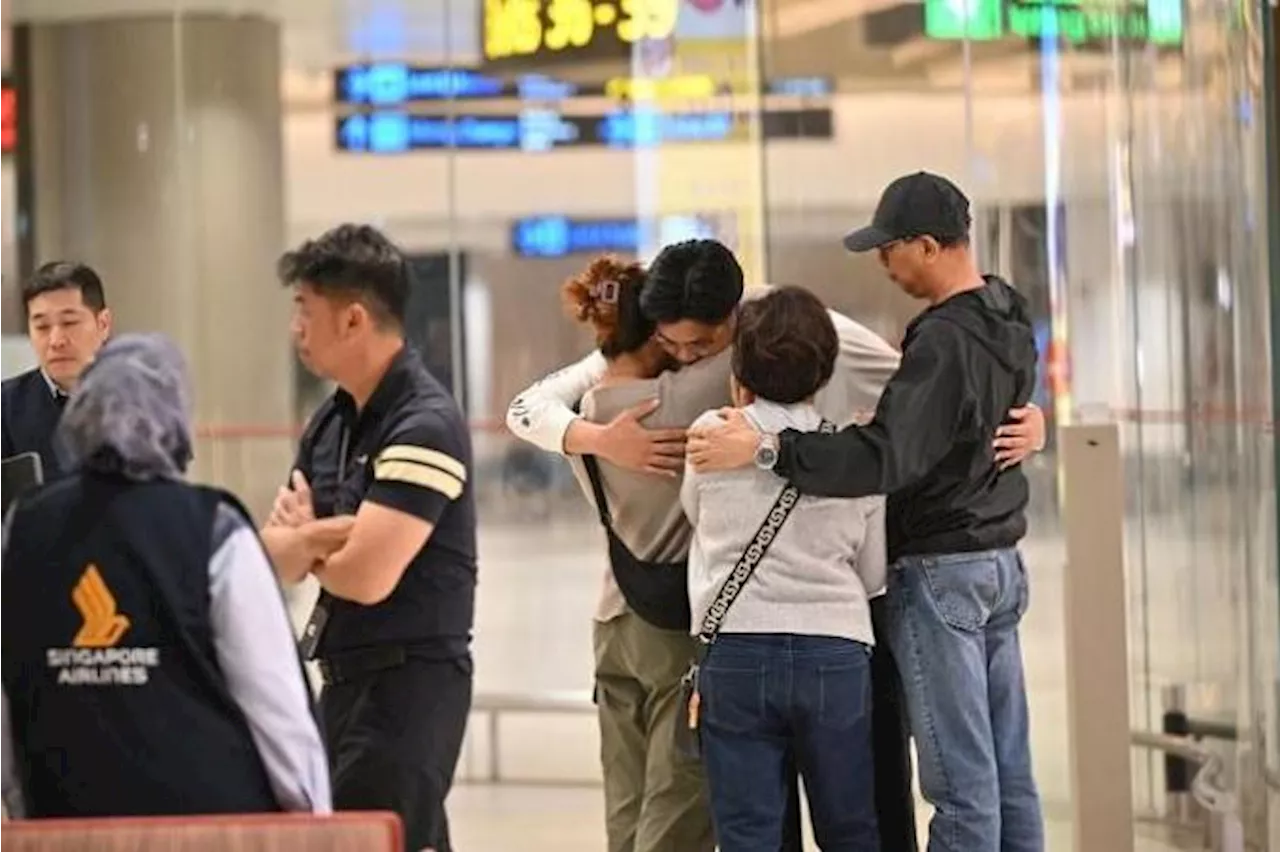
(130, 413)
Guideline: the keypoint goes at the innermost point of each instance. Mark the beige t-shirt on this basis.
(646, 509)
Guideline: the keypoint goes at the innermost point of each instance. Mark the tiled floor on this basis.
(491, 818)
(538, 588)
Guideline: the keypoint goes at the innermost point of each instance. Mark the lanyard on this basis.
(314, 631)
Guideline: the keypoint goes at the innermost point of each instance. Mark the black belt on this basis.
(348, 665)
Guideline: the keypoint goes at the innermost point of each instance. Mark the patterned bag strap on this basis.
(751, 558)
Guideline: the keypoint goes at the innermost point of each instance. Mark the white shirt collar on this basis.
(54, 390)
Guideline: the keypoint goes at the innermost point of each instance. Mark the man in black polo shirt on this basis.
(68, 321)
(392, 627)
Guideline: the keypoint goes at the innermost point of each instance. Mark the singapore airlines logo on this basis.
(103, 626)
(95, 657)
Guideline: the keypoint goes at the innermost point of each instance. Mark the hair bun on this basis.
(599, 295)
(593, 294)
(588, 303)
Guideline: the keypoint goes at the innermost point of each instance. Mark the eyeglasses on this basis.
(887, 249)
(693, 350)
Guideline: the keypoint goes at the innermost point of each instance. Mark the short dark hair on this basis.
(354, 261)
(697, 280)
(785, 345)
(66, 275)
(953, 242)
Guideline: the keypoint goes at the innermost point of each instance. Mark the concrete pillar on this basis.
(157, 159)
(1097, 638)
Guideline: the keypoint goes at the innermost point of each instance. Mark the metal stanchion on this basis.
(1222, 829)
(1180, 807)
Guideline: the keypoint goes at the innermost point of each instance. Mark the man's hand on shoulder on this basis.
(1021, 437)
(727, 445)
(630, 445)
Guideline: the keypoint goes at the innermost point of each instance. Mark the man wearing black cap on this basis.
(958, 588)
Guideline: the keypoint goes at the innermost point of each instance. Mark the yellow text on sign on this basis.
(686, 87)
(515, 28)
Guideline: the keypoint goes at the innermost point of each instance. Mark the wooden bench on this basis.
(373, 831)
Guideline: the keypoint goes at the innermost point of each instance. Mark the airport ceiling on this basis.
(862, 44)
(317, 29)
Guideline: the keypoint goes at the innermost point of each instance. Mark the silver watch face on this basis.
(766, 457)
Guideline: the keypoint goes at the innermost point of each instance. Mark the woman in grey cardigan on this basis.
(790, 668)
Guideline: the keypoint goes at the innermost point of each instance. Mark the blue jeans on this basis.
(765, 695)
(953, 627)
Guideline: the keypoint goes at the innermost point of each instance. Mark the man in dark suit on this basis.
(68, 321)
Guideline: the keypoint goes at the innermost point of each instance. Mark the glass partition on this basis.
(1116, 157)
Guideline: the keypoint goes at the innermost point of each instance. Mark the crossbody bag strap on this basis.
(597, 488)
(750, 559)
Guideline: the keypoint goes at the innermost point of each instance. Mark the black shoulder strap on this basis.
(597, 488)
(750, 559)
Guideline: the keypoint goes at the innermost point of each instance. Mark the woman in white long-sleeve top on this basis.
(789, 670)
(148, 663)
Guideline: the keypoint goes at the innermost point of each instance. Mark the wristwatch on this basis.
(767, 451)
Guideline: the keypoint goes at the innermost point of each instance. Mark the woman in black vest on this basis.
(148, 663)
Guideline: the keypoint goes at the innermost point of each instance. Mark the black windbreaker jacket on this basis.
(965, 363)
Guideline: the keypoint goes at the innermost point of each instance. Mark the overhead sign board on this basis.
(561, 236)
(391, 83)
(1157, 22)
(538, 31)
(396, 132)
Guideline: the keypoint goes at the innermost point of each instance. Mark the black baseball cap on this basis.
(916, 205)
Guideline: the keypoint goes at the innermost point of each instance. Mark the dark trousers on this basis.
(393, 738)
(766, 697)
(895, 803)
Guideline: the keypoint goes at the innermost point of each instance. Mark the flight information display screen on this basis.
(386, 108)
(392, 83)
(560, 236)
(393, 132)
(398, 83)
